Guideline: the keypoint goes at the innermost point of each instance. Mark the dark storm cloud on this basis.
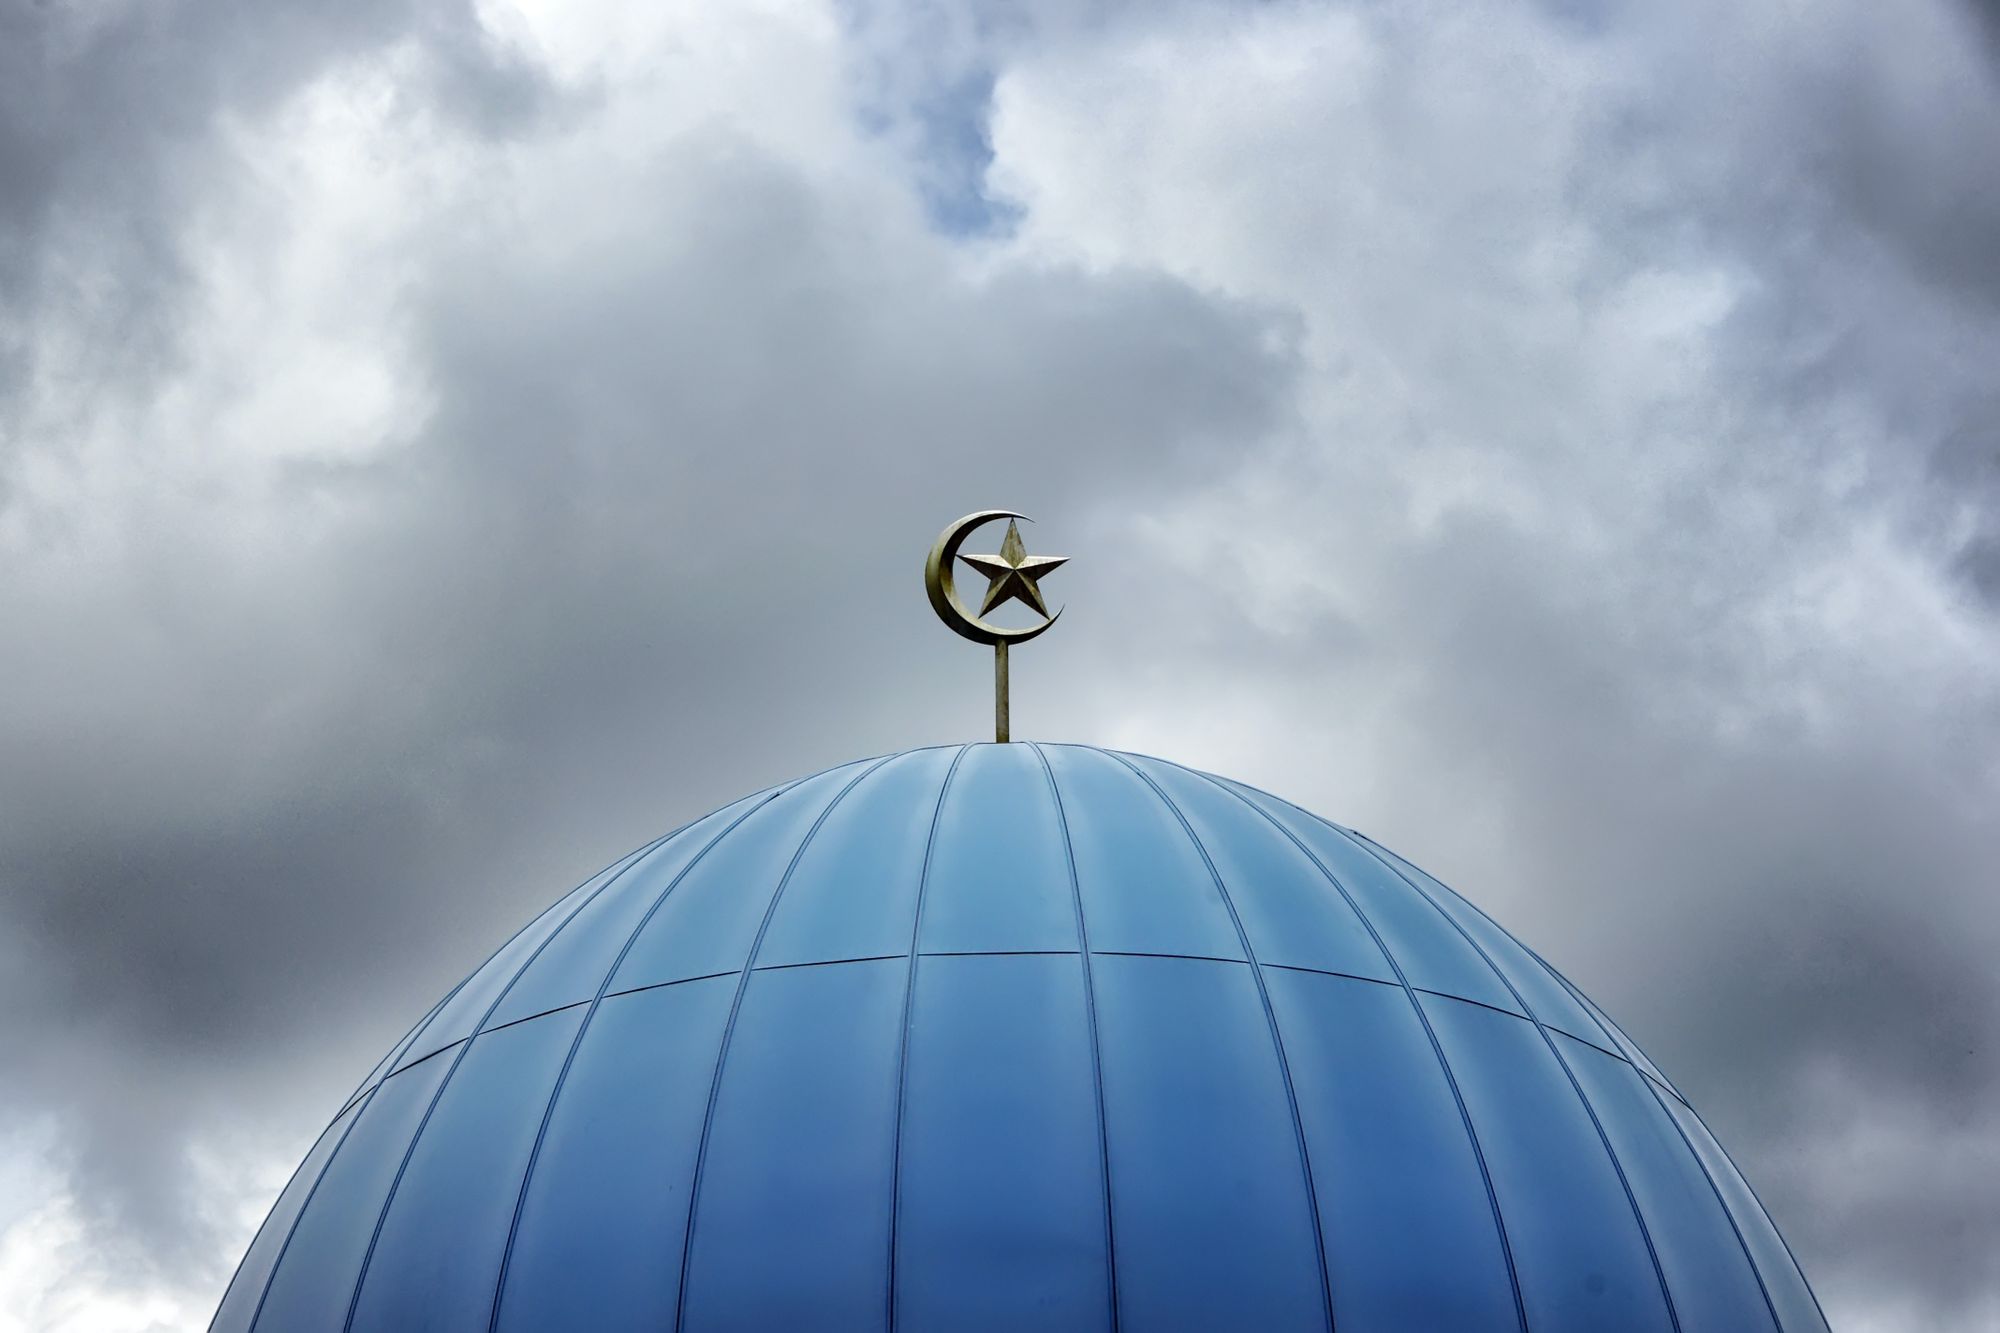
(686, 400)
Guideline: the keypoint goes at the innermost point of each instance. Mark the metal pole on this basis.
(1000, 692)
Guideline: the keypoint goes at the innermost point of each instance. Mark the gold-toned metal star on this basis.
(1013, 573)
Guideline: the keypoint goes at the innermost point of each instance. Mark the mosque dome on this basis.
(1016, 1037)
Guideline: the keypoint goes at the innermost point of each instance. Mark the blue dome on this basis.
(1007, 1037)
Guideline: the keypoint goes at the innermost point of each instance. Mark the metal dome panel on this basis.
(1006, 1036)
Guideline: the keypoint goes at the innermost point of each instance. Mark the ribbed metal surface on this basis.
(1015, 1037)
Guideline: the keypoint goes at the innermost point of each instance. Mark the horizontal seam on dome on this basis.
(1585, 1041)
(1189, 957)
(1666, 1087)
(1071, 953)
(890, 957)
(1033, 953)
(1329, 972)
(661, 985)
(994, 953)
(829, 962)
(424, 1059)
(529, 1018)
(387, 1065)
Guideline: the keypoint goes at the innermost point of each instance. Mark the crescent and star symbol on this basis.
(1012, 576)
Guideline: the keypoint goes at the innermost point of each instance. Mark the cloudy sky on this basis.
(444, 443)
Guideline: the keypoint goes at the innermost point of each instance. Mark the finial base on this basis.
(1000, 726)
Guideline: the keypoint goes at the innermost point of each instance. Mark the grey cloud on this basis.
(1795, 926)
(653, 543)
(1621, 695)
(108, 136)
(1862, 186)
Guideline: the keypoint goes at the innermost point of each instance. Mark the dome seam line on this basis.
(388, 1064)
(596, 885)
(610, 872)
(1715, 1188)
(1604, 1139)
(729, 1031)
(1770, 1222)
(1271, 1021)
(1430, 1034)
(908, 1019)
(358, 1105)
(576, 1042)
(1096, 1059)
(444, 1081)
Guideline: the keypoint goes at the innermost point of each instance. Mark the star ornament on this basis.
(1013, 573)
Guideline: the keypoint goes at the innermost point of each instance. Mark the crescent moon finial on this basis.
(1012, 575)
